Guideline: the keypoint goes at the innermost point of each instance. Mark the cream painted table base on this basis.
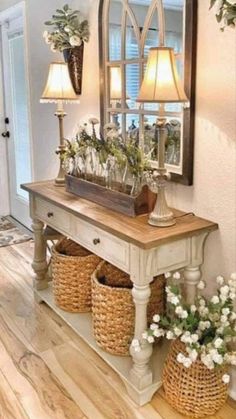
(133, 246)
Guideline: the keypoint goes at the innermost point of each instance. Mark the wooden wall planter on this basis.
(117, 201)
(74, 57)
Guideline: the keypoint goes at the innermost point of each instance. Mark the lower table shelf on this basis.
(81, 323)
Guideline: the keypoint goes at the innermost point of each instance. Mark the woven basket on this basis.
(196, 391)
(72, 266)
(113, 308)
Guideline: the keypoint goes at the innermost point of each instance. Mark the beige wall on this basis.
(213, 194)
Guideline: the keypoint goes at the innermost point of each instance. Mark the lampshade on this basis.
(161, 81)
(58, 86)
(116, 84)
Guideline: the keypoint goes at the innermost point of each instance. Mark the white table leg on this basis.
(39, 264)
(141, 374)
(192, 276)
(192, 272)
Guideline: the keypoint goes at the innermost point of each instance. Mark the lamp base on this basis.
(156, 221)
(161, 216)
(60, 179)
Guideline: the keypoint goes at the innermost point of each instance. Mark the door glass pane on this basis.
(20, 112)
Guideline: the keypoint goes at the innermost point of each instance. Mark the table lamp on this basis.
(161, 84)
(58, 90)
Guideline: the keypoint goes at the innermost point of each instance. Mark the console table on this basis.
(130, 244)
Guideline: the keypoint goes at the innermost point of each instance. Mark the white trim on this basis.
(19, 10)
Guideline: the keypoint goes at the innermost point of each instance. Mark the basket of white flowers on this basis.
(195, 376)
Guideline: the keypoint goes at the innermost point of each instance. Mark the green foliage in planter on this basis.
(68, 30)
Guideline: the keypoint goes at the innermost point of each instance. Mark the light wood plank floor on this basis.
(46, 371)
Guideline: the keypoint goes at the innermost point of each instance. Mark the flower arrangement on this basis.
(225, 10)
(68, 30)
(206, 328)
(109, 160)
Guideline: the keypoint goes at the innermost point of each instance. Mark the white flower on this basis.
(184, 314)
(173, 299)
(193, 355)
(158, 333)
(226, 378)
(224, 290)
(93, 121)
(67, 29)
(176, 275)
(223, 319)
(180, 358)
(75, 41)
(204, 325)
(135, 343)
(156, 318)
(215, 299)
(170, 335)
(187, 362)
(167, 275)
(194, 337)
(202, 302)
(145, 335)
(201, 285)
(233, 276)
(193, 308)
(154, 326)
(217, 358)
(179, 310)
(220, 330)
(232, 295)
(150, 339)
(218, 343)
(226, 311)
(186, 337)
(207, 360)
(177, 331)
(220, 280)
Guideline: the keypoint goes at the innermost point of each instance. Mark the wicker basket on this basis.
(196, 391)
(113, 308)
(72, 266)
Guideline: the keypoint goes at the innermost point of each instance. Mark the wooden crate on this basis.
(117, 201)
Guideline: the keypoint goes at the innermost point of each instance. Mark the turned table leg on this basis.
(39, 264)
(192, 276)
(141, 374)
(192, 272)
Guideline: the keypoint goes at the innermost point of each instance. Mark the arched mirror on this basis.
(127, 30)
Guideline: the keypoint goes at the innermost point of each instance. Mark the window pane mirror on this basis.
(127, 30)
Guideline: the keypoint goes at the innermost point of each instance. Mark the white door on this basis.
(17, 122)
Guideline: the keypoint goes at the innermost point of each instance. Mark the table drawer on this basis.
(105, 245)
(52, 215)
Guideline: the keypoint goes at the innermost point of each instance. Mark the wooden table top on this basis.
(134, 230)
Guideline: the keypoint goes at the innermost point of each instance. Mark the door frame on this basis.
(18, 10)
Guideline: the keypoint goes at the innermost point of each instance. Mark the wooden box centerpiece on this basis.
(124, 203)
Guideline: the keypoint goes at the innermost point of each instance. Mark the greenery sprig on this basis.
(225, 12)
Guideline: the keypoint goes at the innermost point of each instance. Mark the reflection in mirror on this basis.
(115, 20)
(129, 29)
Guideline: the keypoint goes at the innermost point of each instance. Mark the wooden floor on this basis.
(46, 371)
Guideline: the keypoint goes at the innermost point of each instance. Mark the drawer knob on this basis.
(96, 241)
(50, 214)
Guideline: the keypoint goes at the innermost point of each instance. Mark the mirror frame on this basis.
(191, 8)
